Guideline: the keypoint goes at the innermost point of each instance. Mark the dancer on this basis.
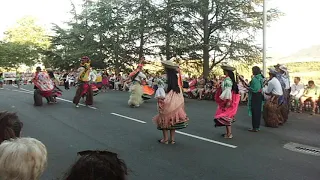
(84, 87)
(227, 97)
(171, 115)
(136, 90)
(43, 87)
(57, 92)
(255, 98)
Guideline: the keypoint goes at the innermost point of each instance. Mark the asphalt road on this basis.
(199, 154)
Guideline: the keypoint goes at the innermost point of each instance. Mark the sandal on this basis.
(163, 141)
(227, 137)
(172, 142)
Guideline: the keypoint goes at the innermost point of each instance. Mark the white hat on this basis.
(170, 64)
(227, 67)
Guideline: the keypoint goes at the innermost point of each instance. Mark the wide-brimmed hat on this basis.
(170, 64)
(283, 68)
(272, 70)
(227, 67)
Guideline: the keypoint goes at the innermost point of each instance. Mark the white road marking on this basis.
(23, 91)
(126, 117)
(65, 100)
(206, 139)
(182, 133)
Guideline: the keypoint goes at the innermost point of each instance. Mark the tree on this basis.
(225, 30)
(23, 43)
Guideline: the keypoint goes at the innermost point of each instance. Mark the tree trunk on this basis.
(168, 31)
(142, 26)
(116, 54)
(206, 40)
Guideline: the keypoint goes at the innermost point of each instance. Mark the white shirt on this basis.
(297, 89)
(140, 76)
(274, 87)
(286, 81)
(92, 76)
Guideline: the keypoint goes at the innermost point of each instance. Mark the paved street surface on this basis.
(199, 154)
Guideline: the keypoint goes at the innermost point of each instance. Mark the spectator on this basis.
(10, 126)
(1, 80)
(296, 91)
(96, 165)
(22, 159)
(312, 93)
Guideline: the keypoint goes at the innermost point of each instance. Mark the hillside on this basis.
(311, 54)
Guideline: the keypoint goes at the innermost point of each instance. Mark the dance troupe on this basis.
(263, 96)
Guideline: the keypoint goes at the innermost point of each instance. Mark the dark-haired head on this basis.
(172, 80)
(10, 126)
(98, 165)
(233, 78)
(256, 70)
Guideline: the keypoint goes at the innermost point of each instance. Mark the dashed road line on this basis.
(126, 117)
(182, 133)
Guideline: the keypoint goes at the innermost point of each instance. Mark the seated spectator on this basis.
(297, 90)
(22, 159)
(312, 94)
(201, 82)
(96, 165)
(10, 126)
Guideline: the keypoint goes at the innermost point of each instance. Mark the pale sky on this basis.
(298, 29)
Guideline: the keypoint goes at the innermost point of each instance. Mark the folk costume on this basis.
(274, 109)
(56, 92)
(172, 115)
(43, 86)
(136, 89)
(227, 97)
(84, 87)
(255, 100)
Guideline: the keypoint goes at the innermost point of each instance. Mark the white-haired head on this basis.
(22, 159)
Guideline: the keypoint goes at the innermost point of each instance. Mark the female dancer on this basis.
(227, 98)
(136, 90)
(256, 98)
(56, 92)
(171, 115)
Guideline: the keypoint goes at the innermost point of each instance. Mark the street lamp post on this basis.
(264, 57)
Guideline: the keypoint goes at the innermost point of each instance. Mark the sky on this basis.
(298, 29)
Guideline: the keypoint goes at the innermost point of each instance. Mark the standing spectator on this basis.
(1, 80)
(65, 78)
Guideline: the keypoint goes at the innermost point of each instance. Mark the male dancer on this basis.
(84, 87)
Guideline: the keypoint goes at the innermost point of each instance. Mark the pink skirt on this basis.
(225, 116)
(171, 112)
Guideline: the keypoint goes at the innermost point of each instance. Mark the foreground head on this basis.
(22, 159)
(98, 165)
(10, 126)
